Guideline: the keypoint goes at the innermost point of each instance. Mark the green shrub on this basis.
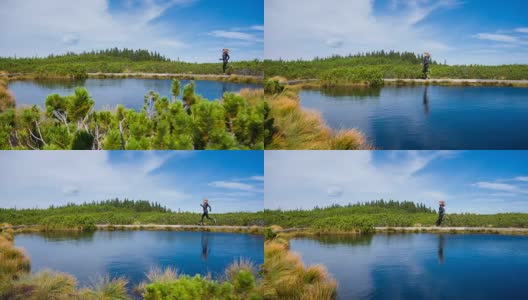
(190, 288)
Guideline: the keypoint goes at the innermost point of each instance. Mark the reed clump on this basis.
(286, 277)
(7, 100)
(298, 128)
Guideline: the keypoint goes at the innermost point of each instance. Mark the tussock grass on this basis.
(286, 277)
(7, 100)
(298, 128)
(14, 263)
(106, 288)
(241, 264)
(44, 285)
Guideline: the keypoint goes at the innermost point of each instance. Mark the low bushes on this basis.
(194, 123)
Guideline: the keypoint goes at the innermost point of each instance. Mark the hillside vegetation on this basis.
(117, 212)
(374, 66)
(364, 217)
(118, 61)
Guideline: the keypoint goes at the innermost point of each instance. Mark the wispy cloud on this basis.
(232, 185)
(522, 29)
(344, 27)
(496, 37)
(236, 35)
(515, 185)
(77, 176)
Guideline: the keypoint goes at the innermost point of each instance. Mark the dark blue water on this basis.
(423, 266)
(107, 93)
(434, 117)
(134, 253)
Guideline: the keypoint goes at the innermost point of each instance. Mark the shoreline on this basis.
(258, 230)
(143, 75)
(316, 83)
(297, 232)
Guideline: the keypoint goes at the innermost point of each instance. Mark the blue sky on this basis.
(469, 181)
(457, 31)
(191, 30)
(231, 180)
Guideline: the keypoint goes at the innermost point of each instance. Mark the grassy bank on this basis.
(292, 127)
(7, 100)
(233, 78)
(286, 277)
(118, 212)
(365, 216)
(115, 60)
(381, 64)
(192, 123)
(240, 282)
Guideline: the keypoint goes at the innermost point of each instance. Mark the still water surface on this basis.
(107, 93)
(134, 253)
(422, 266)
(428, 117)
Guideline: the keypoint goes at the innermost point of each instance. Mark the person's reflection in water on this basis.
(441, 249)
(426, 100)
(224, 88)
(205, 246)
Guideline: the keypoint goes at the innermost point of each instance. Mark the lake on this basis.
(428, 117)
(107, 93)
(422, 266)
(134, 253)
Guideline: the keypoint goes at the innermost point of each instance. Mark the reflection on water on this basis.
(426, 100)
(441, 248)
(133, 253)
(422, 266)
(205, 246)
(107, 93)
(427, 117)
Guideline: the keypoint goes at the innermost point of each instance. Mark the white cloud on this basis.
(45, 178)
(305, 179)
(257, 178)
(522, 29)
(258, 27)
(522, 178)
(496, 186)
(335, 191)
(236, 35)
(232, 185)
(71, 191)
(496, 37)
(59, 26)
(341, 27)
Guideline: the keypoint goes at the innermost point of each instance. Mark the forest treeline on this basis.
(118, 212)
(189, 123)
(118, 61)
(365, 216)
(385, 64)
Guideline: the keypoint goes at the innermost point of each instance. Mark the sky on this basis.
(189, 30)
(231, 180)
(469, 181)
(487, 32)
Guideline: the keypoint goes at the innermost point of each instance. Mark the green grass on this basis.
(118, 212)
(364, 217)
(364, 67)
(118, 61)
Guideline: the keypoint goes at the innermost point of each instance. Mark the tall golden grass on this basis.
(286, 277)
(302, 129)
(7, 100)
